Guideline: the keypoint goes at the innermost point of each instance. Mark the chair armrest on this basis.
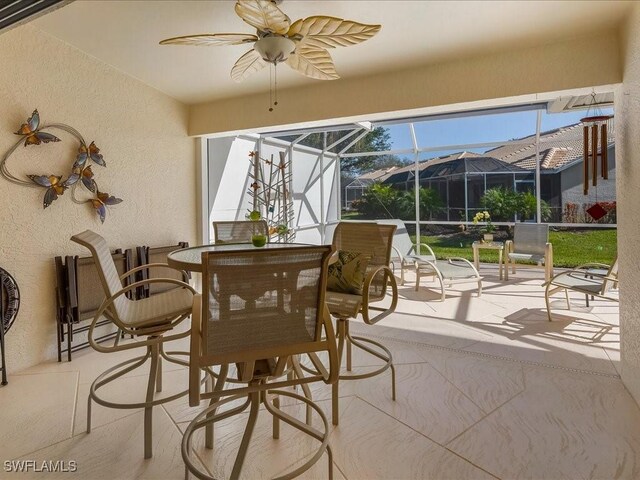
(424, 245)
(508, 246)
(330, 337)
(125, 328)
(151, 265)
(465, 261)
(365, 295)
(398, 254)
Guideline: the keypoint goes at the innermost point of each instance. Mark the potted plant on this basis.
(488, 227)
(257, 239)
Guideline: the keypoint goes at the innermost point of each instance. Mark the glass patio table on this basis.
(190, 259)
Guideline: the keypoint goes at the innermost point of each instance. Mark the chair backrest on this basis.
(239, 231)
(530, 238)
(401, 240)
(106, 268)
(84, 287)
(159, 255)
(373, 240)
(263, 303)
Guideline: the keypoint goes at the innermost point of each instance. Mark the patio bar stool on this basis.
(260, 310)
(151, 317)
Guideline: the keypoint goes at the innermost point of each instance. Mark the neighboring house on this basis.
(513, 166)
(561, 171)
(354, 190)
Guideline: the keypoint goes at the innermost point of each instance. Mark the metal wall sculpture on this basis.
(32, 133)
(271, 195)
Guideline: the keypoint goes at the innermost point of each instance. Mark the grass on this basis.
(570, 248)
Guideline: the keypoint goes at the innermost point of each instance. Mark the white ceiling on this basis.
(125, 34)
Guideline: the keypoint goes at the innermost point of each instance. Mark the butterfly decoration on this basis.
(54, 185)
(101, 201)
(81, 170)
(31, 133)
(91, 152)
(86, 177)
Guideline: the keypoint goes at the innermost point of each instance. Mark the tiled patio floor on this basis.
(487, 388)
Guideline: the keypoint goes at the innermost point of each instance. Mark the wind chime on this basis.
(595, 133)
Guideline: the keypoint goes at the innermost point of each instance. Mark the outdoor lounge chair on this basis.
(404, 250)
(449, 272)
(530, 243)
(588, 279)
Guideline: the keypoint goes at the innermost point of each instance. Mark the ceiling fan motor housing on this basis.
(274, 49)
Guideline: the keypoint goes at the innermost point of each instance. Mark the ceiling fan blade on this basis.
(313, 62)
(246, 65)
(263, 15)
(211, 39)
(330, 32)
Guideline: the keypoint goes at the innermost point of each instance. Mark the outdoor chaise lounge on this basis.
(404, 250)
(591, 279)
(449, 272)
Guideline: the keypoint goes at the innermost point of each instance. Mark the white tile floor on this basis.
(487, 388)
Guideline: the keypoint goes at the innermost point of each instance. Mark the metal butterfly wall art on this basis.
(32, 136)
(81, 173)
(101, 201)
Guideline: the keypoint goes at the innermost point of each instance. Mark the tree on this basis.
(384, 201)
(377, 140)
(503, 204)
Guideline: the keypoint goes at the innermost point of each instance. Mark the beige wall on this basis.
(150, 165)
(581, 62)
(628, 177)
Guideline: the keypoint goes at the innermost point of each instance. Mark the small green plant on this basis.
(254, 215)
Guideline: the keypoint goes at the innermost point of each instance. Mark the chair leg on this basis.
(402, 272)
(546, 301)
(417, 277)
(335, 413)
(214, 387)
(244, 445)
(148, 410)
(159, 375)
(276, 420)
(295, 363)
(348, 345)
(566, 294)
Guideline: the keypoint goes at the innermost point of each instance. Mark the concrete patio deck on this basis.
(487, 388)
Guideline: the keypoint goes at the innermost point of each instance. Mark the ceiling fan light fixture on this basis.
(274, 49)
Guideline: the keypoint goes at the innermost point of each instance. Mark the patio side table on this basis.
(489, 246)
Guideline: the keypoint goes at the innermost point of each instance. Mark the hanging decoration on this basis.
(595, 132)
(271, 195)
(32, 133)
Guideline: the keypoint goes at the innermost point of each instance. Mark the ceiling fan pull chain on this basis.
(270, 88)
(275, 83)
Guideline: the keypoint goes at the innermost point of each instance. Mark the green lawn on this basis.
(570, 248)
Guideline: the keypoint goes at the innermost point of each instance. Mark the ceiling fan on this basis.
(302, 44)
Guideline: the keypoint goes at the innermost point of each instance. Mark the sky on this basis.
(479, 129)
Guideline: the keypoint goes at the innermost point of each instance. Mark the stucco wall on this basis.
(579, 62)
(150, 165)
(628, 158)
